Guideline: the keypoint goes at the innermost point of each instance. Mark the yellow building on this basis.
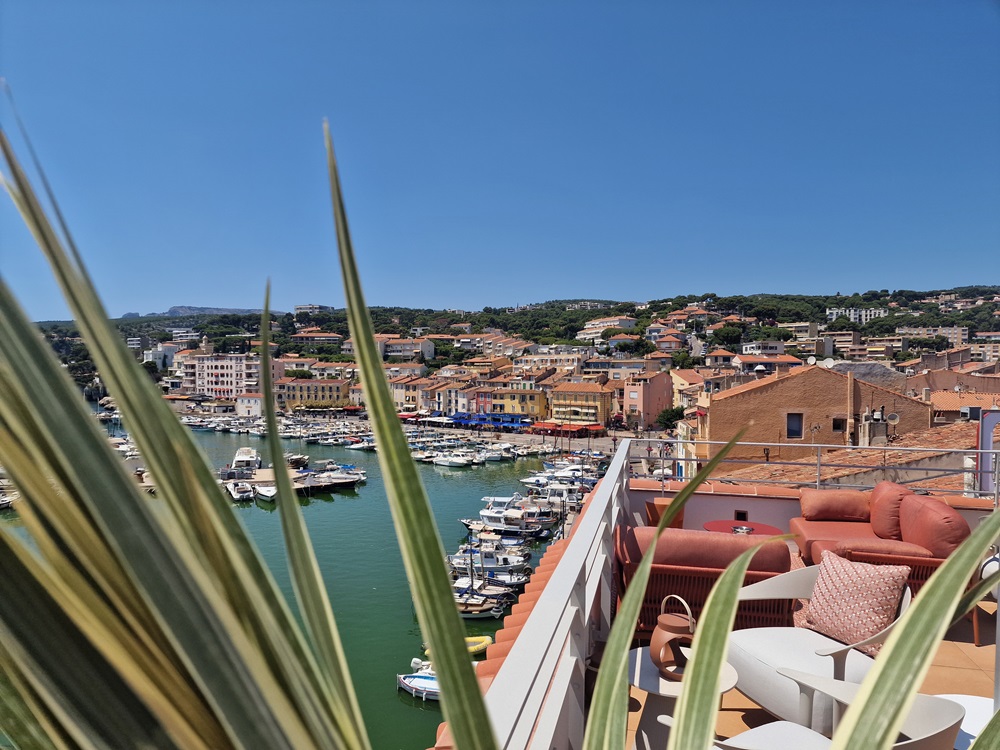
(581, 403)
(530, 402)
(292, 392)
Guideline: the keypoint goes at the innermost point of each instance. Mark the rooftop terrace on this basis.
(538, 674)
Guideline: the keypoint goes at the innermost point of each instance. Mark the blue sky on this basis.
(495, 154)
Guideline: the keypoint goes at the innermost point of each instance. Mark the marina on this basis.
(351, 529)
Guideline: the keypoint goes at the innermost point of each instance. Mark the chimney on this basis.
(926, 395)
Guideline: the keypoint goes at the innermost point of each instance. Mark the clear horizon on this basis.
(500, 156)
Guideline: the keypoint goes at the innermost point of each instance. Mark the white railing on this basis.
(537, 698)
(828, 465)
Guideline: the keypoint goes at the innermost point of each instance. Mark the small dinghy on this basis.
(476, 644)
(422, 682)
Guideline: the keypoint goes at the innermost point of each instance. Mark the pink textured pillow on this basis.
(853, 601)
(834, 505)
(884, 506)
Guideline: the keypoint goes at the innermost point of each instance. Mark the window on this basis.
(839, 424)
(793, 426)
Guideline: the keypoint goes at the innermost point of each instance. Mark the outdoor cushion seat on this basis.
(807, 533)
(758, 654)
(687, 562)
(897, 527)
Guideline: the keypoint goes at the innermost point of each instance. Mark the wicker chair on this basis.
(687, 563)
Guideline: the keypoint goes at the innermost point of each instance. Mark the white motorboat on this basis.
(450, 459)
(494, 583)
(487, 558)
(241, 492)
(517, 513)
(246, 458)
(266, 492)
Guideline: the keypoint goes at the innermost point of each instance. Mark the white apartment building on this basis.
(593, 330)
(182, 335)
(764, 348)
(162, 355)
(221, 376)
(859, 315)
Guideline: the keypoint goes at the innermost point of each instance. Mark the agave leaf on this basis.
(874, 718)
(423, 554)
(973, 596)
(608, 716)
(694, 720)
(78, 683)
(224, 621)
(21, 715)
(305, 574)
(989, 737)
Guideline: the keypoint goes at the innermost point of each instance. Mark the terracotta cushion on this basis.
(884, 508)
(703, 549)
(807, 533)
(834, 505)
(852, 601)
(932, 523)
(880, 547)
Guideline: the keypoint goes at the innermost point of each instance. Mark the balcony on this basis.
(537, 674)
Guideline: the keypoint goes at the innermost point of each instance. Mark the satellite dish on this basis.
(811, 361)
(892, 418)
(828, 362)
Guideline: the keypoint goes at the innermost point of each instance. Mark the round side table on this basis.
(652, 733)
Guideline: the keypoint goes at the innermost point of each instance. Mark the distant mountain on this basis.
(190, 310)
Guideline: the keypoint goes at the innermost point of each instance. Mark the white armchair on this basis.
(759, 654)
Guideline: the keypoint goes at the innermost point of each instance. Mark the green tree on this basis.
(727, 336)
(843, 324)
(682, 360)
(668, 418)
(153, 370)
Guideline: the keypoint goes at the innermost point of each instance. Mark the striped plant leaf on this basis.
(181, 570)
(416, 531)
(608, 717)
(694, 720)
(306, 578)
(989, 737)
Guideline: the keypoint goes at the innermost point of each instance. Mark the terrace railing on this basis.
(821, 465)
(537, 698)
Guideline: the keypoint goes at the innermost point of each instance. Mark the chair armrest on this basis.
(927, 717)
(795, 584)
(840, 691)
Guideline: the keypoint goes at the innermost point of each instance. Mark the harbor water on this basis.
(356, 548)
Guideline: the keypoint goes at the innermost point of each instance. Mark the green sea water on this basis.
(356, 547)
